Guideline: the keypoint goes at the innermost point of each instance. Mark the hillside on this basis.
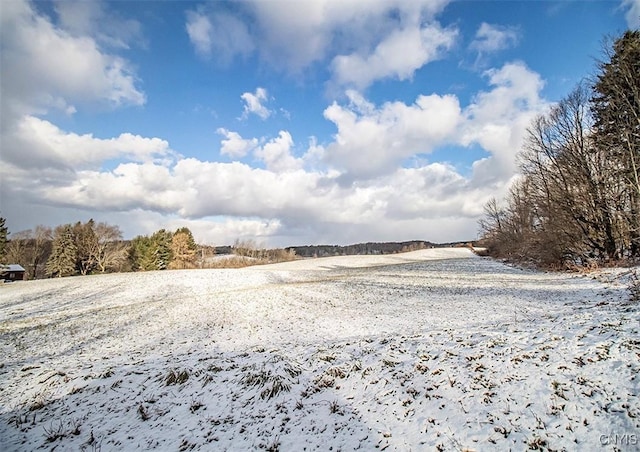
(433, 349)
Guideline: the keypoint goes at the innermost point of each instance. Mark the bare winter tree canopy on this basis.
(578, 199)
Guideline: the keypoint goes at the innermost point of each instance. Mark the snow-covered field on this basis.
(430, 350)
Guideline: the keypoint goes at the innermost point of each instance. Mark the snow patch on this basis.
(434, 349)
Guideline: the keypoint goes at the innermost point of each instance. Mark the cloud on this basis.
(492, 38)
(53, 69)
(310, 206)
(82, 18)
(254, 104)
(633, 13)
(234, 145)
(193, 189)
(300, 33)
(398, 56)
(225, 230)
(37, 150)
(276, 154)
(292, 36)
(218, 34)
(283, 203)
(332, 191)
(497, 119)
(372, 141)
(489, 40)
(284, 200)
(199, 29)
(515, 88)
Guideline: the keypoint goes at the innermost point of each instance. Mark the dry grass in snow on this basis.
(429, 350)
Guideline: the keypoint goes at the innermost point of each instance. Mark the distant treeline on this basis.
(89, 248)
(369, 248)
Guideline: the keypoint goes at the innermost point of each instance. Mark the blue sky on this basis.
(285, 122)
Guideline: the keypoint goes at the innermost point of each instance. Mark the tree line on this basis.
(368, 248)
(577, 201)
(89, 248)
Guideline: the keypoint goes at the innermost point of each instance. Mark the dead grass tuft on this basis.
(176, 377)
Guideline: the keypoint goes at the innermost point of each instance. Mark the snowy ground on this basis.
(430, 350)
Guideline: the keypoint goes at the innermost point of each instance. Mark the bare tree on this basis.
(247, 248)
(568, 206)
(31, 248)
(110, 251)
(40, 250)
(18, 250)
(571, 181)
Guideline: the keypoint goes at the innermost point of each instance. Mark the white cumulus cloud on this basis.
(276, 154)
(292, 36)
(357, 183)
(36, 143)
(373, 140)
(254, 103)
(498, 118)
(47, 67)
(234, 145)
(398, 56)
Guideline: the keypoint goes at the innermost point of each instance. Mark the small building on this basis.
(12, 272)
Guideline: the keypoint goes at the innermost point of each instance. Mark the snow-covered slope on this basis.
(435, 349)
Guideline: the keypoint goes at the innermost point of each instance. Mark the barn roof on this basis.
(12, 268)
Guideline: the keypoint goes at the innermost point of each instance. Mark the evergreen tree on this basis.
(62, 261)
(86, 247)
(616, 110)
(161, 249)
(151, 253)
(3, 238)
(140, 254)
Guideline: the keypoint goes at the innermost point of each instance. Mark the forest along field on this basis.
(434, 349)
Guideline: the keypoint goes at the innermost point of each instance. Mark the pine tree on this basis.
(151, 253)
(139, 252)
(616, 110)
(86, 246)
(3, 238)
(161, 249)
(62, 261)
